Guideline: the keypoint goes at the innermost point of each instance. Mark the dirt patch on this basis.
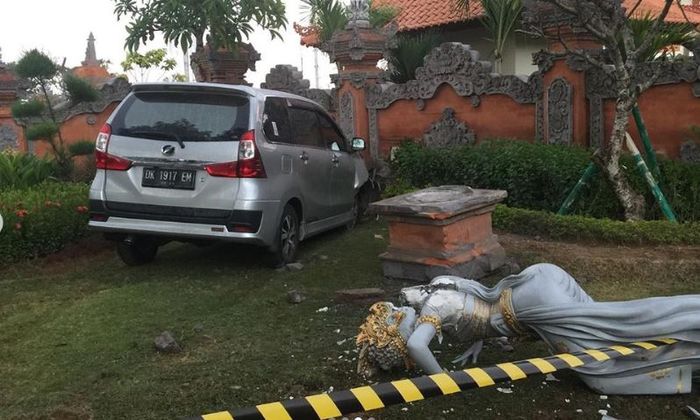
(86, 249)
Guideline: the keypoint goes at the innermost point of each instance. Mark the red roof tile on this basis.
(420, 14)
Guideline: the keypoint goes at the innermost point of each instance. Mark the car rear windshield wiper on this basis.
(157, 135)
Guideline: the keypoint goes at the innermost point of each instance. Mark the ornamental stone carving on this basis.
(286, 78)
(601, 82)
(346, 114)
(359, 14)
(448, 132)
(559, 112)
(457, 65)
(8, 138)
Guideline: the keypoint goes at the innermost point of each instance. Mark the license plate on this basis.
(177, 179)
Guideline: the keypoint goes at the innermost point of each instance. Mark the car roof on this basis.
(213, 87)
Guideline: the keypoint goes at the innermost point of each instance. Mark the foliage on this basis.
(42, 219)
(331, 16)
(671, 34)
(139, 65)
(82, 148)
(79, 90)
(28, 109)
(501, 18)
(185, 23)
(22, 170)
(546, 224)
(44, 130)
(539, 176)
(36, 66)
(409, 54)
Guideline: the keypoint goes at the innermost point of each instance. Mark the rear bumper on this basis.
(245, 225)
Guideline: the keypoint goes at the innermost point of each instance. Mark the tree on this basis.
(139, 66)
(39, 115)
(623, 55)
(187, 23)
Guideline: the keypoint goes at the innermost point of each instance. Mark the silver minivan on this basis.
(196, 162)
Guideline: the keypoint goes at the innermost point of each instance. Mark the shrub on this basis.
(42, 219)
(27, 109)
(539, 176)
(21, 170)
(531, 222)
(42, 131)
(81, 148)
(79, 90)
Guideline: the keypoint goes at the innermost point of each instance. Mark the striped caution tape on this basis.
(374, 397)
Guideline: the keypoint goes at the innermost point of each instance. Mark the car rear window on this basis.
(183, 116)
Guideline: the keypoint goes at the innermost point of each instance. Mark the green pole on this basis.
(646, 174)
(590, 172)
(646, 141)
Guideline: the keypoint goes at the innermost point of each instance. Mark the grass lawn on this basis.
(77, 330)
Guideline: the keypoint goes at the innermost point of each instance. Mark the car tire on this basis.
(137, 251)
(286, 244)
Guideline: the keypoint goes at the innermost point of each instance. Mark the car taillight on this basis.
(226, 169)
(249, 164)
(104, 160)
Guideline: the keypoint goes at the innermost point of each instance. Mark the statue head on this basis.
(382, 338)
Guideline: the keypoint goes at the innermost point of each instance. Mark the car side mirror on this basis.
(358, 144)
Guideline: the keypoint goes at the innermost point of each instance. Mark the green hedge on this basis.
(41, 219)
(539, 176)
(531, 222)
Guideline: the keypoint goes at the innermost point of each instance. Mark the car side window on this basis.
(305, 127)
(276, 121)
(333, 139)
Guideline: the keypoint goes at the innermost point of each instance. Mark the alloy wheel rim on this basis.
(288, 235)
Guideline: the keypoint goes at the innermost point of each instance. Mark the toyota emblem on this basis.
(168, 150)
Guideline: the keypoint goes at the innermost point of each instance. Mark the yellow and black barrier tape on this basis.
(375, 397)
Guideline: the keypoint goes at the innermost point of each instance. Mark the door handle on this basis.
(304, 156)
(335, 160)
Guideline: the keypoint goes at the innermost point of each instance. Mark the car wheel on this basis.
(285, 249)
(137, 251)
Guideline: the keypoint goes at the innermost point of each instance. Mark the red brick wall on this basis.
(496, 116)
(668, 111)
(77, 128)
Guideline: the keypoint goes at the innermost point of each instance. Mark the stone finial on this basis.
(91, 53)
(359, 10)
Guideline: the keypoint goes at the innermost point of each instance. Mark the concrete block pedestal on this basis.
(441, 231)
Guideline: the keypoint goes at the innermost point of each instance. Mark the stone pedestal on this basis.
(223, 66)
(441, 231)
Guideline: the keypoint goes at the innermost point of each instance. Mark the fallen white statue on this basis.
(547, 301)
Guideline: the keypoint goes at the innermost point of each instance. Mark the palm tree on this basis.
(500, 18)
